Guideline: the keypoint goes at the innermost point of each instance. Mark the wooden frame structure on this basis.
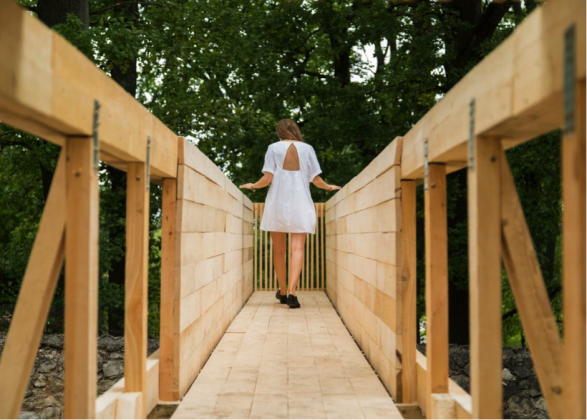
(50, 89)
(313, 275)
(532, 84)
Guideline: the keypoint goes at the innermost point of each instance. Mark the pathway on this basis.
(276, 362)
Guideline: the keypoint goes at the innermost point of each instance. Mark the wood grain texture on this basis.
(48, 88)
(522, 78)
(573, 164)
(484, 201)
(34, 298)
(168, 387)
(529, 290)
(436, 282)
(136, 283)
(81, 280)
(408, 292)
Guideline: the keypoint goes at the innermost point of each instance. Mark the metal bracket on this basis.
(95, 135)
(426, 165)
(471, 134)
(148, 164)
(569, 80)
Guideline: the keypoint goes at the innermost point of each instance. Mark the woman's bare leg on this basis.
(297, 259)
(278, 239)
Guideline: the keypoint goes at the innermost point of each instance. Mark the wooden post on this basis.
(136, 285)
(265, 284)
(408, 291)
(81, 279)
(168, 384)
(323, 246)
(34, 299)
(573, 164)
(255, 249)
(436, 282)
(484, 175)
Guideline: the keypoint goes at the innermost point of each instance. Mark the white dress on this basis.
(289, 206)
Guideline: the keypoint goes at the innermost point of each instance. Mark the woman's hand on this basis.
(334, 187)
(248, 186)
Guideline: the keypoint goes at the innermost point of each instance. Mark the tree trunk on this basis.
(54, 12)
(125, 74)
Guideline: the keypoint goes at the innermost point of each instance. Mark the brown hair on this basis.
(288, 130)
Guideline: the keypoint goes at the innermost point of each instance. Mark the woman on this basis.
(290, 166)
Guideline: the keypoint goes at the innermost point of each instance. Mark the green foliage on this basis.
(225, 72)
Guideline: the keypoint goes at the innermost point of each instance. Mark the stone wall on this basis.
(522, 396)
(44, 396)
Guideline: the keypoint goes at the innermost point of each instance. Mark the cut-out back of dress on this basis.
(292, 160)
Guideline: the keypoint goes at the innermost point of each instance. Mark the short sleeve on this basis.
(269, 165)
(313, 166)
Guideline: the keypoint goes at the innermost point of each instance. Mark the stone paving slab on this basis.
(276, 362)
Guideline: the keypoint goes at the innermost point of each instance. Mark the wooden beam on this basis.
(436, 282)
(573, 164)
(168, 382)
(443, 406)
(520, 96)
(484, 175)
(34, 299)
(81, 279)
(48, 88)
(136, 284)
(530, 294)
(129, 406)
(408, 292)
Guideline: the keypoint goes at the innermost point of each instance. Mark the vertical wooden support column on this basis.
(408, 291)
(136, 285)
(573, 163)
(323, 223)
(484, 182)
(255, 252)
(168, 387)
(436, 282)
(81, 279)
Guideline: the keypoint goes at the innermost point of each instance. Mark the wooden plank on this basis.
(312, 262)
(530, 294)
(255, 251)
(573, 163)
(168, 381)
(129, 406)
(484, 200)
(34, 298)
(136, 283)
(48, 88)
(436, 282)
(408, 292)
(323, 246)
(265, 256)
(443, 406)
(519, 98)
(81, 279)
(272, 281)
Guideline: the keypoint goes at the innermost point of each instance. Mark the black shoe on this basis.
(280, 297)
(292, 301)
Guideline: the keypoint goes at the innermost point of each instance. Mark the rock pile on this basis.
(44, 396)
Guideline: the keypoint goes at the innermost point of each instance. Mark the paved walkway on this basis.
(276, 362)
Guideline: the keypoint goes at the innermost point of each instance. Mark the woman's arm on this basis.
(263, 182)
(319, 182)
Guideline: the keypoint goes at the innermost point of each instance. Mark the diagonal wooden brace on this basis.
(530, 293)
(34, 299)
